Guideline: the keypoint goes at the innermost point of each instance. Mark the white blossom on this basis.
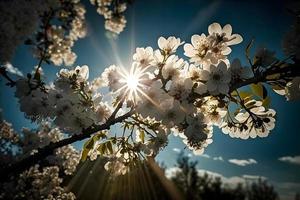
(181, 88)
(173, 115)
(169, 45)
(198, 134)
(198, 51)
(218, 79)
(224, 34)
(112, 77)
(143, 56)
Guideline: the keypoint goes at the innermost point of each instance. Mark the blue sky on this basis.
(265, 21)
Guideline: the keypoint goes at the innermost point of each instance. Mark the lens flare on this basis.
(133, 83)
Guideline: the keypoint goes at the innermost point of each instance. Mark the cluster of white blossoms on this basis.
(73, 103)
(67, 157)
(163, 86)
(45, 184)
(8, 141)
(59, 39)
(38, 181)
(162, 95)
(62, 40)
(255, 120)
(214, 48)
(113, 13)
(20, 21)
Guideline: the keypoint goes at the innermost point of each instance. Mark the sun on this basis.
(132, 83)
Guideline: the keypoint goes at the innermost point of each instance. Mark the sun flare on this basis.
(133, 83)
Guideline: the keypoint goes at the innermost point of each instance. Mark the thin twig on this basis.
(3, 72)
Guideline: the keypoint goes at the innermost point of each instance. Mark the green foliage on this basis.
(105, 148)
(142, 135)
(259, 90)
(89, 144)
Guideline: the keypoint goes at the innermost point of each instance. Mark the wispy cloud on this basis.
(253, 177)
(290, 159)
(201, 17)
(242, 163)
(176, 150)
(218, 158)
(13, 70)
(205, 155)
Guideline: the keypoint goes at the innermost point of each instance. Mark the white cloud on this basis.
(219, 158)
(290, 159)
(171, 172)
(176, 150)
(13, 70)
(254, 177)
(242, 163)
(205, 155)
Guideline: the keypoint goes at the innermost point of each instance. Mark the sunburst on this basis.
(133, 83)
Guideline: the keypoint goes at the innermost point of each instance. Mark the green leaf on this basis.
(142, 136)
(84, 154)
(265, 92)
(259, 90)
(102, 149)
(266, 102)
(98, 136)
(244, 94)
(88, 145)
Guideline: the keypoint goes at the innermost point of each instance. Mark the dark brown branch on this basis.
(15, 168)
(293, 70)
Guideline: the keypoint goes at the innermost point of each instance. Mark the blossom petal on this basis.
(227, 29)
(236, 39)
(214, 28)
(226, 51)
(223, 88)
(161, 42)
(211, 85)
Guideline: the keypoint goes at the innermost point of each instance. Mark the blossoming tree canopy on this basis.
(160, 94)
(52, 27)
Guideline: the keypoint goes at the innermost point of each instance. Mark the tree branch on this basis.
(293, 70)
(3, 72)
(290, 71)
(43, 152)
